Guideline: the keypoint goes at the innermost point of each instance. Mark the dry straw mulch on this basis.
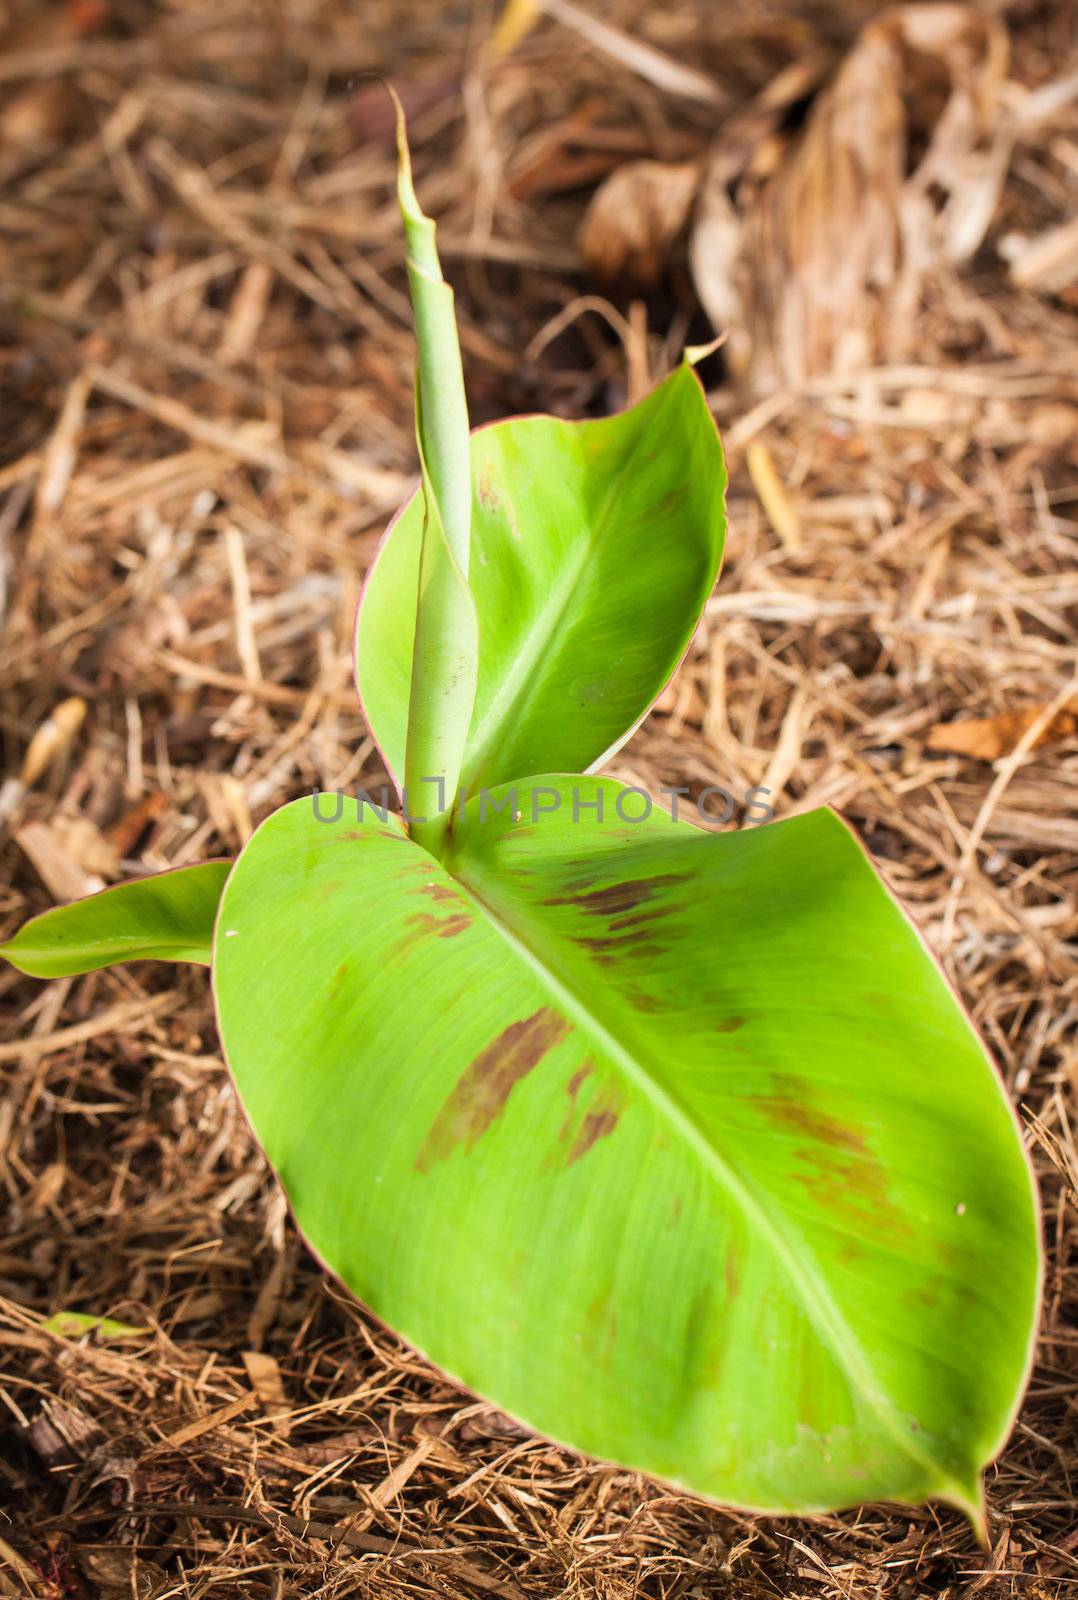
(206, 420)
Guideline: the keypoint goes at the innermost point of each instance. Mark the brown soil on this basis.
(206, 402)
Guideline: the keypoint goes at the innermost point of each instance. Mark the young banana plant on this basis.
(675, 1144)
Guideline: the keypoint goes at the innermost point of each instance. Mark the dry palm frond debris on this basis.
(205, 384)
(815, 245)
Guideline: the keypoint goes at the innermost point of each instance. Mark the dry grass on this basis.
(206, 406)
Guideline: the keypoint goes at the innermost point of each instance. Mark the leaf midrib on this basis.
(813, 1291)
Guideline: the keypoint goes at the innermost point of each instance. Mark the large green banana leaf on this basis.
(594, 546)
(676, 1145)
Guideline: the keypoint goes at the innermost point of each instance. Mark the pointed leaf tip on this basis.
(969, 1499)
(695, 353)
(419, 229)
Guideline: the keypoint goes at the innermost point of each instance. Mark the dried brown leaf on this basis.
(634, 218)
(820, 261)
(59, 868)
(264, 1375)
(989, 738)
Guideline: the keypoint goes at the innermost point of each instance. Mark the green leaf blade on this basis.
(682, 1182)
(594, 548)
(165, 917)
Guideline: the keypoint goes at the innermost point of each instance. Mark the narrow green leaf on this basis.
(594, 548)
(674, 1144)
(166, 917)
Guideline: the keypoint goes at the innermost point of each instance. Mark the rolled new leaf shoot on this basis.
(446, 649)
(441, 406)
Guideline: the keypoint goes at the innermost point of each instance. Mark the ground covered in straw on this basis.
(206, 380)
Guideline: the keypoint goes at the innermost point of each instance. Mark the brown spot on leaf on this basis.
(923, 1297)
(442, 894)
(788, 1108)
(485, 488)
(600, 1118)
(855, 1188)
(851, 1251)
(480, 1094)
(425, 925)
(729, 1024)
(617, 898)
(838, 1167)
(668, 501)
(596, 1125)
(607, 952)
(731, 1269)
(637, 918)
(573, 1086)
(698, 1320)
(572, 1089)
(337, 980)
